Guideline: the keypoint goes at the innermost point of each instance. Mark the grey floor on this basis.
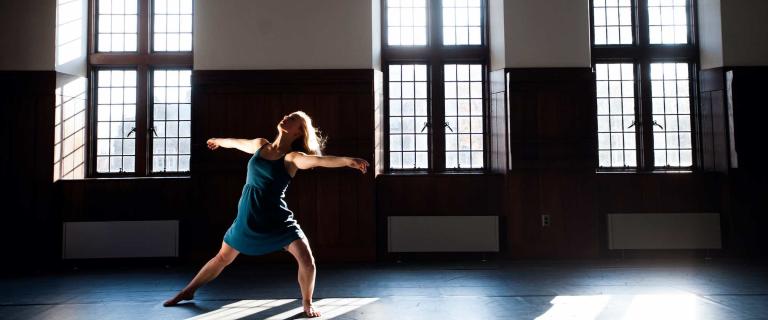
(598, 289)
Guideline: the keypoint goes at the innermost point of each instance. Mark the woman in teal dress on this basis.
(264, 223)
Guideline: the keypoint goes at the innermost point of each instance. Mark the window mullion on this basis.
(142, 84)
(437, 115)
(437, 96)
(640, 102)
(645, 110)
(642, 24)
(647, 114)
(144, 10)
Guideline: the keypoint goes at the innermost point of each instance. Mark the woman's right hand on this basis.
(213, 144)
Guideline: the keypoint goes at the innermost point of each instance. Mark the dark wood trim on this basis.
(143, 155)
(645, 108)
(144, 7)
(255, 77)
(650, 52)
(447, 53)
(164, 58)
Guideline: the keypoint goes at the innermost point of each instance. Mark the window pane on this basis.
(116, 26)
(407, 23)
(672, 142)
(171, 114)
(462, 23)
(463, 116)
(616, 130)
(668, 22)
(115, 94)
(612, 22)
(172, 25)
(408, 114)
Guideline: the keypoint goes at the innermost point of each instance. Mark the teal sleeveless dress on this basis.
(264, 223)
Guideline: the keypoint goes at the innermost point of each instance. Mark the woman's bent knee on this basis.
(307, 262)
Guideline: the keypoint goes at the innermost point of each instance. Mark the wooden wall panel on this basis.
(712, 120)
(545, 116)
(748, 181)
(333, 206)
(29, 227)
(552, 125)
(552, 118)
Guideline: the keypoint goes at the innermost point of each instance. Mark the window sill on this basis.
(186, 177)
(629, 171)
(426, 173)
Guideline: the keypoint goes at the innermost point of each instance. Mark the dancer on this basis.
(264, 223)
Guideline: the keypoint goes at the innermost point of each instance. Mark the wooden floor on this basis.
(596, 289)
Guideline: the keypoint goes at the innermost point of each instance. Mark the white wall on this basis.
(283, 34)
(376, 32)
(71, 36)
(496, 29)
(547, 33)
(27, 34)
(710, 34)
(745, 32)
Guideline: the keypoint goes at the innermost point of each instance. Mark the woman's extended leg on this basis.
(209, 272)
(299, 248)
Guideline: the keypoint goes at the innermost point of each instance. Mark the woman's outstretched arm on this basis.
(245, 145)
(306, 161)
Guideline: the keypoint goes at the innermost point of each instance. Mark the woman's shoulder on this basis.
(259, 142)
(293, 155)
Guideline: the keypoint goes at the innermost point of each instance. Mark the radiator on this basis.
(120, 239)
(664, 231)
(443, 234)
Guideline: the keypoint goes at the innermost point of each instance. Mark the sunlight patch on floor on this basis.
(329, 308)
(661, 306)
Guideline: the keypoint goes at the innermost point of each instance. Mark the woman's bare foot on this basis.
(181, 296)
(310, 311)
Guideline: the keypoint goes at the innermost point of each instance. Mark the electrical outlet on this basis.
(545, 220)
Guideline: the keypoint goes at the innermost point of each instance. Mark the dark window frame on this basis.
(642, 54)
(435, 55)
(144, 61)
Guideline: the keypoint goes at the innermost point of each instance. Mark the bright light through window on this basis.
(670, 89)
(172, 25)
(408, 122)
(117, 25)
(463, 116)
(461, 22)
(668, 21)
(406, 22)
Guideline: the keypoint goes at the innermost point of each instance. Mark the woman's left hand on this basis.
(359, 164)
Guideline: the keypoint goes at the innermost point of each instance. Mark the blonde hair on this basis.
(312, 142)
